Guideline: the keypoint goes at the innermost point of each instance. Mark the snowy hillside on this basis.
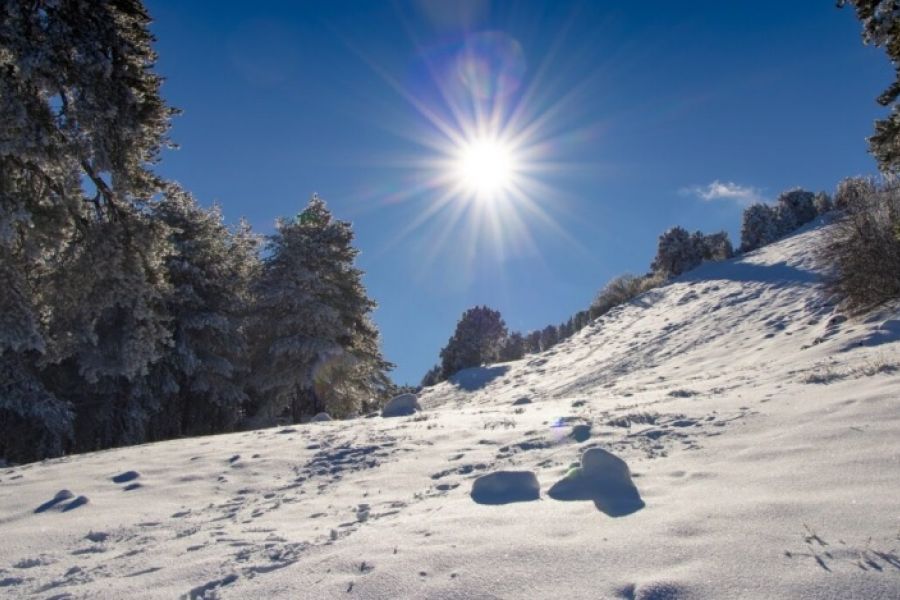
(761, 428)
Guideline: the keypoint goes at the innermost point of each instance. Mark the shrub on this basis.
(823, 203)
(796, 207)
(758, 227)
(864, 247)
(715, 246)
(620, 290)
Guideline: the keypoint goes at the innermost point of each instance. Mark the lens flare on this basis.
(486, 167)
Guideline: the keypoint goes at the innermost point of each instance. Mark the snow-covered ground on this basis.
(761, 427)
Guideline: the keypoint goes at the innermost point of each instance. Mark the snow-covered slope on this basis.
(762, 429)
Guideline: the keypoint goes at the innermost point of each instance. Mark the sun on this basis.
(486, 167)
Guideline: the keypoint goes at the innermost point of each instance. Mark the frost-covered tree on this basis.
(713, 246)
(81, 123)
(432, 377)
(533, 342)
(676, 253)
(795, 208)
(582, 318)
(759, 226)
(198, 385)
(513, 347)
(549, 337)
(854, 191)
(881, 27)
(315, 347)
(477, 340)
(823, 203)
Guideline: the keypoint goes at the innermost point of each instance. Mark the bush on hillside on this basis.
(864, 247)
(823, 203)
(795, 208)
(621, 290)
(759, 227)
(715, 246)
(853, 190)
(676, 253)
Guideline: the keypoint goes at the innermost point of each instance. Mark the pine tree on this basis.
(881, 27)
(549, 337)
(533, 342)
(432, 377)
(477, 340)
(513, 347)
(315, 347)
(198, 385)
(82, 124)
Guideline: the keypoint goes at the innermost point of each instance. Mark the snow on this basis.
(760, 433)
(401, 406)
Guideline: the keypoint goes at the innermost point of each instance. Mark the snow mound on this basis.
(401, 406)
(504, 487)
(603, 478)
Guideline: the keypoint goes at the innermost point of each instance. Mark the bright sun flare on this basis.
(486, 167)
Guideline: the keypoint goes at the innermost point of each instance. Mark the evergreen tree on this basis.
(477, 340)
(315, 347)
(82, 124)
(881, 27)
(513, 347)
(549, 337)
(198, 386)
(432, 377)
(533, 342)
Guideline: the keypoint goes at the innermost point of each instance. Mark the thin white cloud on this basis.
(725, 190)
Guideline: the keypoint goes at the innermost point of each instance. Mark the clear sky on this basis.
(622, 118)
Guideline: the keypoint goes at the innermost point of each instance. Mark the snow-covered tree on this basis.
(823, 203)
(854, 191)
(758, 227)
(676, 253)
(533, 342)
(432, 377)
(549, 337)
(513, 347)
(795, 207)
(713, 246)
(315, 347)
(198, 385)
(881, 27)
(81, 124)
(477, 340)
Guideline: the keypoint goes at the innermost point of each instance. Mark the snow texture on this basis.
(757, 424)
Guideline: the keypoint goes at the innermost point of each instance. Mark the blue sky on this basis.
(640, 116)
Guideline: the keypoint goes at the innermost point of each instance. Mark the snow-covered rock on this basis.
(322, 416)
(401, 406)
